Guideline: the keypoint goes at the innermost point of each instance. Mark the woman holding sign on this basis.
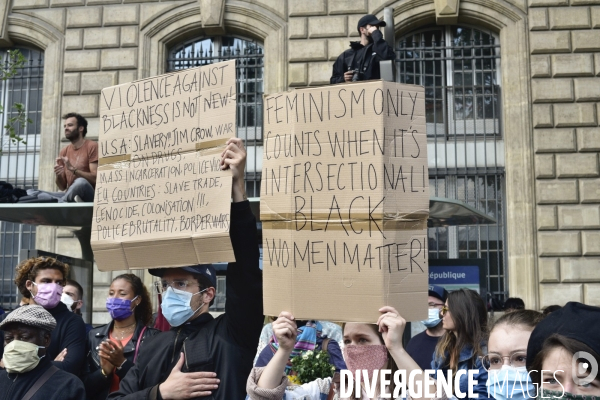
(369, 347)
(113, 348)
(366, 347)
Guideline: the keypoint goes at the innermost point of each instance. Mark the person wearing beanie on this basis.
(28, 371)
(361, 61)
(563, 353)
(422, 346)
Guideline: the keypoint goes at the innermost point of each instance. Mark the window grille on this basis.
(249, 58)
(19, 162)
(460, 69)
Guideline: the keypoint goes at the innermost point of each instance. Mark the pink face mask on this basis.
(48, 294)
(369, 357)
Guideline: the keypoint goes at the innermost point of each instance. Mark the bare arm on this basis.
(234, 158)
(59, 171)
(284, 328)
(392, 326)
(88, 176)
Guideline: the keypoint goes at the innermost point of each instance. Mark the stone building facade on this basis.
(549, 102)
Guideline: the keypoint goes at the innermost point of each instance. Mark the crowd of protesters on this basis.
(49, 353)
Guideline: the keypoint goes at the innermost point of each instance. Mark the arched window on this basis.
(460, 69)
(19, 162)
(250, 71)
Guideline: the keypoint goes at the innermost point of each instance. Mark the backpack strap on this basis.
(137, 346)
(40, 382)
(349, 59)
(325, 344)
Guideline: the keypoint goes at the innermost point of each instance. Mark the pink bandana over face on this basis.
(369, 357)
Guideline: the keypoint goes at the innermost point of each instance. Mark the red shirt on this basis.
(80, 158)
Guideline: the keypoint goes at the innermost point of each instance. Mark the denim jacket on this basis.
(466, 361)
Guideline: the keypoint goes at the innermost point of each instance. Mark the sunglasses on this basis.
(444, 310)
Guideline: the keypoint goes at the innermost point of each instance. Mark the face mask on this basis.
(370, 357)
(559, 395)
(119, 309)
(433, 318)
(67, 301)
(176, 306)
(20, 357)
(48, 294)
(510, 383)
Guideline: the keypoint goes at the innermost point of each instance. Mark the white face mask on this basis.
(67, 300)
(176, 306)
(20, 357)
(433, 319)
(510, 383)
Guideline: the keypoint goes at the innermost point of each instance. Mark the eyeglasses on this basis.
(444, 310)
(435, 305)
(180, 284)
(495, 361)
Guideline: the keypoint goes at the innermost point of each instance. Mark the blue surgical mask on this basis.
(510, 383)
(433, 318)
(176, 306)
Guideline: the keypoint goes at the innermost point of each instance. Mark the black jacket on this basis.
(96, 384)
(225, 345)
(61, 386)
(70, 334)
(364, 58)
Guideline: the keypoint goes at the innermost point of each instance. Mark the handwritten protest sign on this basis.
(161, 198)
(345, 201)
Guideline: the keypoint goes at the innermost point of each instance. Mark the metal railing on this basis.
(460, 70)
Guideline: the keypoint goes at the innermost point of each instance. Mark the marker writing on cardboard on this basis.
(312, 253)
(302, 106)
(343, 143)
(164, 86)
(315, 177)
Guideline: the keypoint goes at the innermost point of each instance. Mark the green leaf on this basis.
(8, 70)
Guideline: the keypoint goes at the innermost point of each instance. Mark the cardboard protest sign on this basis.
(345, 201)
(161, 198)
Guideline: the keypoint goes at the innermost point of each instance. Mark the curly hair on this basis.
(28, 271)
(143, 311)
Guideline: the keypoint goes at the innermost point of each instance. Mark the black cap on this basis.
(438, 292)
(575, 321)
(206, 270)
(369, 19)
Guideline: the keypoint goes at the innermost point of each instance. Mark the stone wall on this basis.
(565, 91)
(550, 85)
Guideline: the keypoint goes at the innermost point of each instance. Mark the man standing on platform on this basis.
(361, 61)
